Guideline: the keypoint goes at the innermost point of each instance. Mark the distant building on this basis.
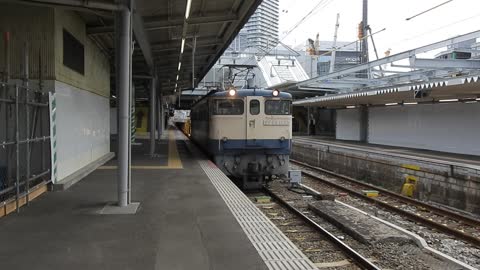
(319, 64)
(261, 30)
(345, 56)
(462, 50)
(476, 50)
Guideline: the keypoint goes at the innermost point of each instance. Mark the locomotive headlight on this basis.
(282, 139)
(232, 92)
(276, 93)
(224, 139)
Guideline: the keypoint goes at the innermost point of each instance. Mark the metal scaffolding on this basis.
(25, 155)
(25, 145)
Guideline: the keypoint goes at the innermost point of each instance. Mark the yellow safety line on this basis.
(174, 161)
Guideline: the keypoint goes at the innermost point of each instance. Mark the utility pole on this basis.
(334, 45)
(365, 32)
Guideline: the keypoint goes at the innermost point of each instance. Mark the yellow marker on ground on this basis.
(370, 193)
(411, 167)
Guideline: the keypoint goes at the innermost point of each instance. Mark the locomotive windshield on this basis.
(228, 107)
(254, 107)
(277, 107)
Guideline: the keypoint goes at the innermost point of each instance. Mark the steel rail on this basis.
(357, 257)
(414, 217)
(445, 212)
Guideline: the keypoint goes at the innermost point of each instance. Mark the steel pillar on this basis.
(162, 112)
(363, 124)
(365, 32)
(160, 115)
(153, 99)
(308, 121)
(123, 76)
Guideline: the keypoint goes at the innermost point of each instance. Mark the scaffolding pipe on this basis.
(40, 88)
(17, 149)
(39, 139)
(27, 117)
(153, 93)
(34, 177)
(123, 78)
(5, 96)
(6, 100)
(7, 56)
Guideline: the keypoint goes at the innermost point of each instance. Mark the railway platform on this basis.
(417, 154)
(191, 216)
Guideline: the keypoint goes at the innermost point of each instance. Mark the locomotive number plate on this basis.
(276, 122)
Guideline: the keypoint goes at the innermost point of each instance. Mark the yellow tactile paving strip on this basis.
(174, 161)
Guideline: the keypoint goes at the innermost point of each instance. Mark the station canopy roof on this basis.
(465, 89)
(160, 28)
(413, 76)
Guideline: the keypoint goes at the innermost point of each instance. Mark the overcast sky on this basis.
(452, 19)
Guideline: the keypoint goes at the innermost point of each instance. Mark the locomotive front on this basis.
(250, 134)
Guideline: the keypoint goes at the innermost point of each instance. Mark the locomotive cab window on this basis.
(254, 107)
(277, 107)
(228, 107)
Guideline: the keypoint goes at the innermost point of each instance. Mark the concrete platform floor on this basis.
(182, 223)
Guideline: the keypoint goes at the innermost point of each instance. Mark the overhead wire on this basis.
(304, 18)
(439, 28)
(394, 26)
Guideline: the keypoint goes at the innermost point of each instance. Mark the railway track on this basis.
(319, 243)
(333, 247)
(449, 222)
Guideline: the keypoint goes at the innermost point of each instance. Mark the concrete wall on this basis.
(97, 68)
(442, 127)
(452, 127)
(83, 109)
(348, 124)
(446, 184)
(83, 128)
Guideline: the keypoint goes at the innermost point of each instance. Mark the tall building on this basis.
(261, 30)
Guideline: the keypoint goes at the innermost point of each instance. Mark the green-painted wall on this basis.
(97, 69)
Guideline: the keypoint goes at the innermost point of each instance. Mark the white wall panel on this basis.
(453, 127)
(348, 124)
(83, 128)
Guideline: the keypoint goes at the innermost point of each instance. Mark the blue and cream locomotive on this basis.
(247, 132)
